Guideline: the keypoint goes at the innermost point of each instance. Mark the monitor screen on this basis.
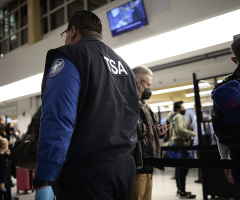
(9, 120)
(127, 17)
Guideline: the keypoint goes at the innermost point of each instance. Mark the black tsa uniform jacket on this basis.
(108, 108)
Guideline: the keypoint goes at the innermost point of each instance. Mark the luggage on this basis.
(24, 180)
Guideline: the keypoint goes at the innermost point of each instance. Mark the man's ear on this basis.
(73, 32)
(138, 80)
(234, 60)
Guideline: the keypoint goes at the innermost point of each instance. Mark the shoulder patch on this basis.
(57, 66)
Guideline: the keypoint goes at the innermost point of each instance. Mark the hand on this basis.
(2, 186)
(7, 151)
(193, 134)
(228, 174)
(45, 193)
(162, 129)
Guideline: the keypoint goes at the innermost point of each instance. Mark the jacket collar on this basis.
(89, 38)
(237, 70)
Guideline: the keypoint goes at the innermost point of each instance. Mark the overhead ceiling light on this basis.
(188, 105)
(193, 37)
(166, 103)
(24, 87)
(185, 87)
(203, 93)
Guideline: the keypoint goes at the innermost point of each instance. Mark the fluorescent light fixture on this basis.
(24, 87)
(203, 93)
(166, 103)
(15, 121)
(207, 104)
(162, 109)
(186, 39)
(189, 105)
(185, 87)
(186, 105)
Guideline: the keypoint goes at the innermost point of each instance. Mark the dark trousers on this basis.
(235, 155)
(110, 180)
(181, 174)
(6, 195)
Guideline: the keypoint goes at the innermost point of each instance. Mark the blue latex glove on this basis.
(44, 193)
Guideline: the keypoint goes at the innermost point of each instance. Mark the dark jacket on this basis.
(3, 169)
(108, 103)
(228, 134)
(148, 136)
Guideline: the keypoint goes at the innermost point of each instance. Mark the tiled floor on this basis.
(164, 188)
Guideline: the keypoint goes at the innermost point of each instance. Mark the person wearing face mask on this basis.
(88, 118)
(148, 133)
(10, 135)
(180, 136)
(11, 141)
(3, 126)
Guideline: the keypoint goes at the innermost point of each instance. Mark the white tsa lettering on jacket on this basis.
(57, 66)
(115, 67)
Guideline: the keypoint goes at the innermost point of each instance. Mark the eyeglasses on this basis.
(64, 33)
(148, 84)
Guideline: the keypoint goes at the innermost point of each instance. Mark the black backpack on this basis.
(228, 133)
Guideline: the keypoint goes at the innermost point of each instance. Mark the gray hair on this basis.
(140, 71)
(2, 118)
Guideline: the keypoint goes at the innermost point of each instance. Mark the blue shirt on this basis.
(59, 110)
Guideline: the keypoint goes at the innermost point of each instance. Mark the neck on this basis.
(2, 151)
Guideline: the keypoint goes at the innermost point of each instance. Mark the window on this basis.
(13, 25)
(93, 4)
(24, 35)
(55, 3)
(3, 47)
(44, 26)
(57, 19)
(74, 7)
(3, 28)
(23, 1)
(13, 42)
(43, 7)
(13, 5)
(23, 15)
(55, 13)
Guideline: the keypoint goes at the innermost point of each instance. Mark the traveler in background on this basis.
(5, 190)
(148, 133)
(89, 115)
(195, 142)
(3, 126)
(226, 96)
(11, 136)
(180, 136)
